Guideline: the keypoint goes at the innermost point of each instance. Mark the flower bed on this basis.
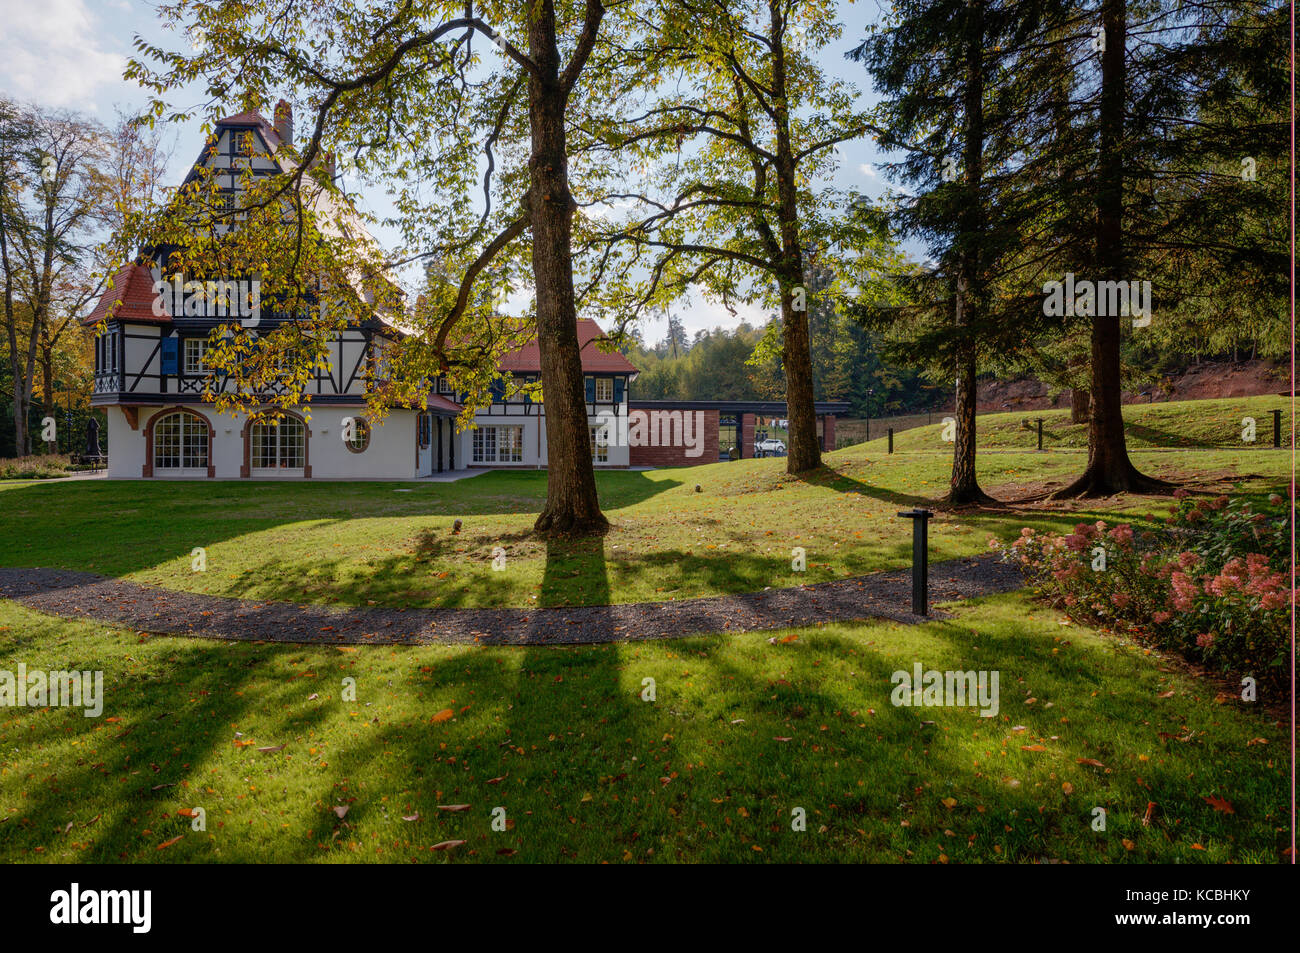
(1213, 583)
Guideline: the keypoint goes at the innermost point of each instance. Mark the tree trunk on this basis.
(11, 330)
(963, 484)
(47, 392)
(1079, 400)
(1109, 469)
(572, 508)
(805, 452)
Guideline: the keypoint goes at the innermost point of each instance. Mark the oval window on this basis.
(360, 435)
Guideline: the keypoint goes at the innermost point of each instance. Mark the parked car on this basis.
(770, 448)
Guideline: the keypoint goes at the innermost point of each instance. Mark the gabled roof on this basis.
(133, 287)
(528, 359)
(254, 118)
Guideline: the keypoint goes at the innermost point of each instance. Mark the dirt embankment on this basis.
(1198, 382)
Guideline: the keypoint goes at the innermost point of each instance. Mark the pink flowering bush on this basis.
(1214, 583)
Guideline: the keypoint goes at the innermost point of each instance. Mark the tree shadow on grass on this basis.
(831, 478)
(116, 795)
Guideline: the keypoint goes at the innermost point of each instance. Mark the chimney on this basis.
(284, 122)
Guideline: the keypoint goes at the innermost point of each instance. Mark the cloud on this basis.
(866, 170)
(52, 53)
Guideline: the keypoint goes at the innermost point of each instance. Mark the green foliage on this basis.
(1214, 585)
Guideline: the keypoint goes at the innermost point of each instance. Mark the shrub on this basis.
(36, 467)
(1212, 583)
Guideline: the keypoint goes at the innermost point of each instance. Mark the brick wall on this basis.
(676, 456)
(828, 432)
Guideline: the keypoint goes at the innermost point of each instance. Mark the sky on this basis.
(70, 54)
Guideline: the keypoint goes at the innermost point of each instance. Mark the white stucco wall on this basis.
(391, 454)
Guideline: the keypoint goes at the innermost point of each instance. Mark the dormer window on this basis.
(604, 390)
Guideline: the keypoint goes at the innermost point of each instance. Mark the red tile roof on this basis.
(133, 287)
(442, 405)
(528, 359)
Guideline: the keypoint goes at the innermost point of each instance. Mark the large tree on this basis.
(948, 106)
(52, 198)
(441, 102)
(737, 136)
(1145, 112)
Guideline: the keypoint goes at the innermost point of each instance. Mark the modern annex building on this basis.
(150, 374)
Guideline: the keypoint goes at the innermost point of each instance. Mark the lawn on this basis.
(742, 732)
(392, 544)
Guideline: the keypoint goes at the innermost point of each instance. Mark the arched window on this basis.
(180, 442)
(278, 444)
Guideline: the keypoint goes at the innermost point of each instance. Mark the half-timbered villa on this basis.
(150, 375)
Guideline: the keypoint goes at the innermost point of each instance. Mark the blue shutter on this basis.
(170, 346)
(618, 390)
(591, 390)
(498, 390)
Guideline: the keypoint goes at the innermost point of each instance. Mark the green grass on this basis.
(1171, 425)
(588, 771)
(368, 543)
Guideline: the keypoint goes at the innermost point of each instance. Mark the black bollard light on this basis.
(1040, 433)
(920, 559)
(1277, 428)
(891, 439)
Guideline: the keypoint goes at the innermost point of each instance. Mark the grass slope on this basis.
(586, 770)
(1172, 425)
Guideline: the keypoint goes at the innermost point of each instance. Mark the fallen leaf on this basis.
(446, 845)
(453, 807)
(444, 715)
(168, 843)
(1222, 805)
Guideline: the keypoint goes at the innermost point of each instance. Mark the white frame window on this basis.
(196, 350)
(180, 442)
(278, 444)
(604, 390)
(498, 444)
(599, 444)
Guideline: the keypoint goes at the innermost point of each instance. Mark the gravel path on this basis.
(887, 595)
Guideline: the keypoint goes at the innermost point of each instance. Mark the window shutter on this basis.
(618, 390)
(170, 346)
(591, 390)
(498, 389)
